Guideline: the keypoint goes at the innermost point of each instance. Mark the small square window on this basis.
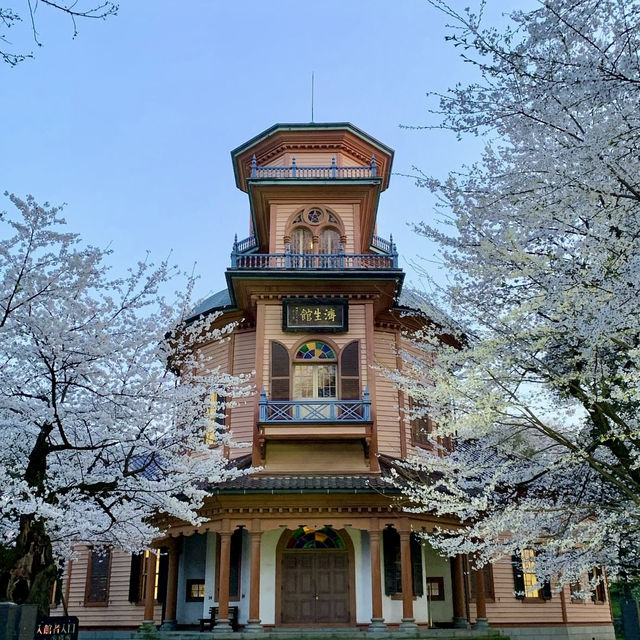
(195, 591)
(435, 588)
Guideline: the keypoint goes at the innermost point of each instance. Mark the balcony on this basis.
(273, 412)
(242, 257)
(331, 172)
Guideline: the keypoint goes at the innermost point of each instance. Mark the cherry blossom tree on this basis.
(99, 433)
(541, 239)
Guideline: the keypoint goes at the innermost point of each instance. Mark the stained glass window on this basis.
(306, 538)
(315, 350)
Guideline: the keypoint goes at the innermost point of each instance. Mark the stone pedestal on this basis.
(377, 624)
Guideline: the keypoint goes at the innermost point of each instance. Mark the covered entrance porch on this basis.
(330, 567)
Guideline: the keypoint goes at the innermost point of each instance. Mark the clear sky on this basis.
(131, 123)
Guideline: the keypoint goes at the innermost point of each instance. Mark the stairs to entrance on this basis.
(299, 634)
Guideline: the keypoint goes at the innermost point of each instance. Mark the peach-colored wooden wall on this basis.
(314, 159)
(509, 610)
(273, 331)
(120, 612)
(241, 420)
(348, 213)
(386, 402)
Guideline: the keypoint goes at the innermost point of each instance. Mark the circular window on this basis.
(315, 216)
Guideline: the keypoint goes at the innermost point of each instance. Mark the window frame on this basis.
(599, 594)
(543, 593)
(328, 221)
(392, 567)
(489, 584)
(93, 552)
(191, 582)
(234, 596)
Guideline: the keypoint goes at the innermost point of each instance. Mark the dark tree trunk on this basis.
(28, 570)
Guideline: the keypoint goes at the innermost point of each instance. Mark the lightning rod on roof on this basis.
(312, 83)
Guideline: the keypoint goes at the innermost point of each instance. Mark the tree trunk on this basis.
(28, 570)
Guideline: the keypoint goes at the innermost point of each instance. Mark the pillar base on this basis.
(169, 625)
(253, 626)
(223, 624)
(482, 624)
(460, 623)
(377, 624)
(408, 624)
(148, 627)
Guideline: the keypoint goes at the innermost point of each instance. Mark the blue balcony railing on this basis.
(332, 172)
(306, 261)
(283, 411)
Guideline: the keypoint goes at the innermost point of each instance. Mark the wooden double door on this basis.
(315, 586)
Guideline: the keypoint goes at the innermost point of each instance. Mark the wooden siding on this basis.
(120, 612)
(406, 346)
(315, 159)
(241, 421)
(279, 161)
(273, 331)
(586, 611)
(281, 212)
(216, 354)
(509, 610)
(385, 403)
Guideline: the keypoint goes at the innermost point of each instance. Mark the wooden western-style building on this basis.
(317, 537)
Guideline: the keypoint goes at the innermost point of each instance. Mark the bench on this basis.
(207, 624)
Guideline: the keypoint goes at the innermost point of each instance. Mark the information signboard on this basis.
(56, 628)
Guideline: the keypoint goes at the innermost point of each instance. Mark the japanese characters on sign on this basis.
(318, 314)
(57, 628)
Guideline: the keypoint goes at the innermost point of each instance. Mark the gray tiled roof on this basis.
(216, 301)
(260, 483)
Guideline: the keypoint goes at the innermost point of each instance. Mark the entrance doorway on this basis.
(315, 579)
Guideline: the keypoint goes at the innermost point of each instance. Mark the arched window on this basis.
(315, 371)
(314, 223)
(301, 240)
(307, 538)
(329, 241)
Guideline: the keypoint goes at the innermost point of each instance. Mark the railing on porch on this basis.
(332, 172)
(279, 411)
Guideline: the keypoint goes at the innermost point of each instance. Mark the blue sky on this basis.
(131, 123)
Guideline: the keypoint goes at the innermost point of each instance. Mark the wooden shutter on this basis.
(518, 577)
(350, 372)
(280, 367)
(392, 569)
(235, 561)
(135, 577)
(163, 574)
(416, 566)
(545, 591)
